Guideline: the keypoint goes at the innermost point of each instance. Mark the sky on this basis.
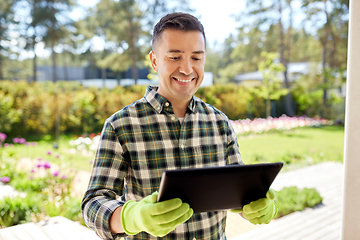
(216, 16)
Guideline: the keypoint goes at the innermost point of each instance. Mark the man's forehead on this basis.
(175, 41)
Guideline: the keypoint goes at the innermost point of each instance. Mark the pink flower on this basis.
(5, 179)
(47, 165)
(57, 156)
(31, 178)
(48, 152)
(21, 140)
(56, 173)
(2, 137)
(63, 177)
(34, 143)
(6, 145)
(15, 140)
(39, 165)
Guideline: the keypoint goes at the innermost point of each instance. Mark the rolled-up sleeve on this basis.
(106, 183)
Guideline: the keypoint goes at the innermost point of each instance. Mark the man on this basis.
(167, 129)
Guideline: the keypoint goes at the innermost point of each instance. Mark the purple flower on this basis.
(31, 178)
(91, 161)
(21, 140)
(63, 177)
(2, 137)
(15, 140)
(6, 145)
(32, 170)
(27, 144)
(56, 173)
(5, 179)
(39, 159)
(48, 152)
(39, 165)
(47, 165)
(57, 156)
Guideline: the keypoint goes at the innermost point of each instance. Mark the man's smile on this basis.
(183, 80)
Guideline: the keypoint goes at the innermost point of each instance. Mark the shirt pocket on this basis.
(209, 155)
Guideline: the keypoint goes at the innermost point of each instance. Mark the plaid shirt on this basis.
(142, 140)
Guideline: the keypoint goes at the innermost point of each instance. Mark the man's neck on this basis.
(179, 108)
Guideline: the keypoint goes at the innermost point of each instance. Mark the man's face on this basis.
(179, 59)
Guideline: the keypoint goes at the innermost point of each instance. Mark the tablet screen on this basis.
(218, 188)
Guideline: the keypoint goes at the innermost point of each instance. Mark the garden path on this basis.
(322, 222)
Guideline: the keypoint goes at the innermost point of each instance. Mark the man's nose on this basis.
(186, 67)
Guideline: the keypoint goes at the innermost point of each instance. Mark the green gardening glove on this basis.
(155, 218)
(260, 211)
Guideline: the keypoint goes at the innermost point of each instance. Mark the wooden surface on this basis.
(56, 228)
(320, 223)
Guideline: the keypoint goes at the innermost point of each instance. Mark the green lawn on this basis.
(64, 154)
(302, 146)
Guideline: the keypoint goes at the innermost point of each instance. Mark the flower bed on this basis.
(264, 125)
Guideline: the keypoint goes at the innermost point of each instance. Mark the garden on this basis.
(41, 155)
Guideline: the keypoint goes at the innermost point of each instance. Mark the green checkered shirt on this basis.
(142, 140)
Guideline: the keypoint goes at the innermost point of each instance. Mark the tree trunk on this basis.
(66, 73)
(53, 57)
(1, 68)
(268, 107)
(34, 60)
(324, 45)
(133, 53)
(103, 76)
(1, 62)
(288, 106)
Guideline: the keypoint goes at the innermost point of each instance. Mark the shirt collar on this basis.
(157, 101)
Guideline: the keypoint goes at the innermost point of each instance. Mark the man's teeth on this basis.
(183, 80)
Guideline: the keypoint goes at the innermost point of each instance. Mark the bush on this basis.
(19, 209)
(291, 199)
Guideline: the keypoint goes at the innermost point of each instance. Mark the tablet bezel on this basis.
(218, 188)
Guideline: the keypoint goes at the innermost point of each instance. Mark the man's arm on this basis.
(115, 221)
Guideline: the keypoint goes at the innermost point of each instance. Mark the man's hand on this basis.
(260, 211)
(155, 218)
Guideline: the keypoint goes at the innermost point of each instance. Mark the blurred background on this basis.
(276, 68)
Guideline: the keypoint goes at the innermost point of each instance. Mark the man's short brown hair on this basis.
(177, 21)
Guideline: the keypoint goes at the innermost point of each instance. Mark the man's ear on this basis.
(153, 61)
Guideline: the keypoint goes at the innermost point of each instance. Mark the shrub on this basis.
(19, 209)
(291, 199)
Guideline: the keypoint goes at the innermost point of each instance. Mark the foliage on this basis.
(291, 199)
(42, 190)
(271, 87)
(19, 209)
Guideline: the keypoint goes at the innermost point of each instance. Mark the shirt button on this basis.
(167, 104)
(173, 118)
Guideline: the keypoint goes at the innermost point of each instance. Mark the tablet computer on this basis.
(218, 188)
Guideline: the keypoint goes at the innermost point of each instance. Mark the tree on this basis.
(271, 87)
(333, 13)
(272, 13)
(6, 19)
(51, 17)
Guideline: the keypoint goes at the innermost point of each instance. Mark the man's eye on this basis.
(175, 58)
(197, 59)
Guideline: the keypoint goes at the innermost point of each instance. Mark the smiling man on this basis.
(167, 129)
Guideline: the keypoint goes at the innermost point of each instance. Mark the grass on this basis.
(65, 152)
(297, 148)
(300, 147)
